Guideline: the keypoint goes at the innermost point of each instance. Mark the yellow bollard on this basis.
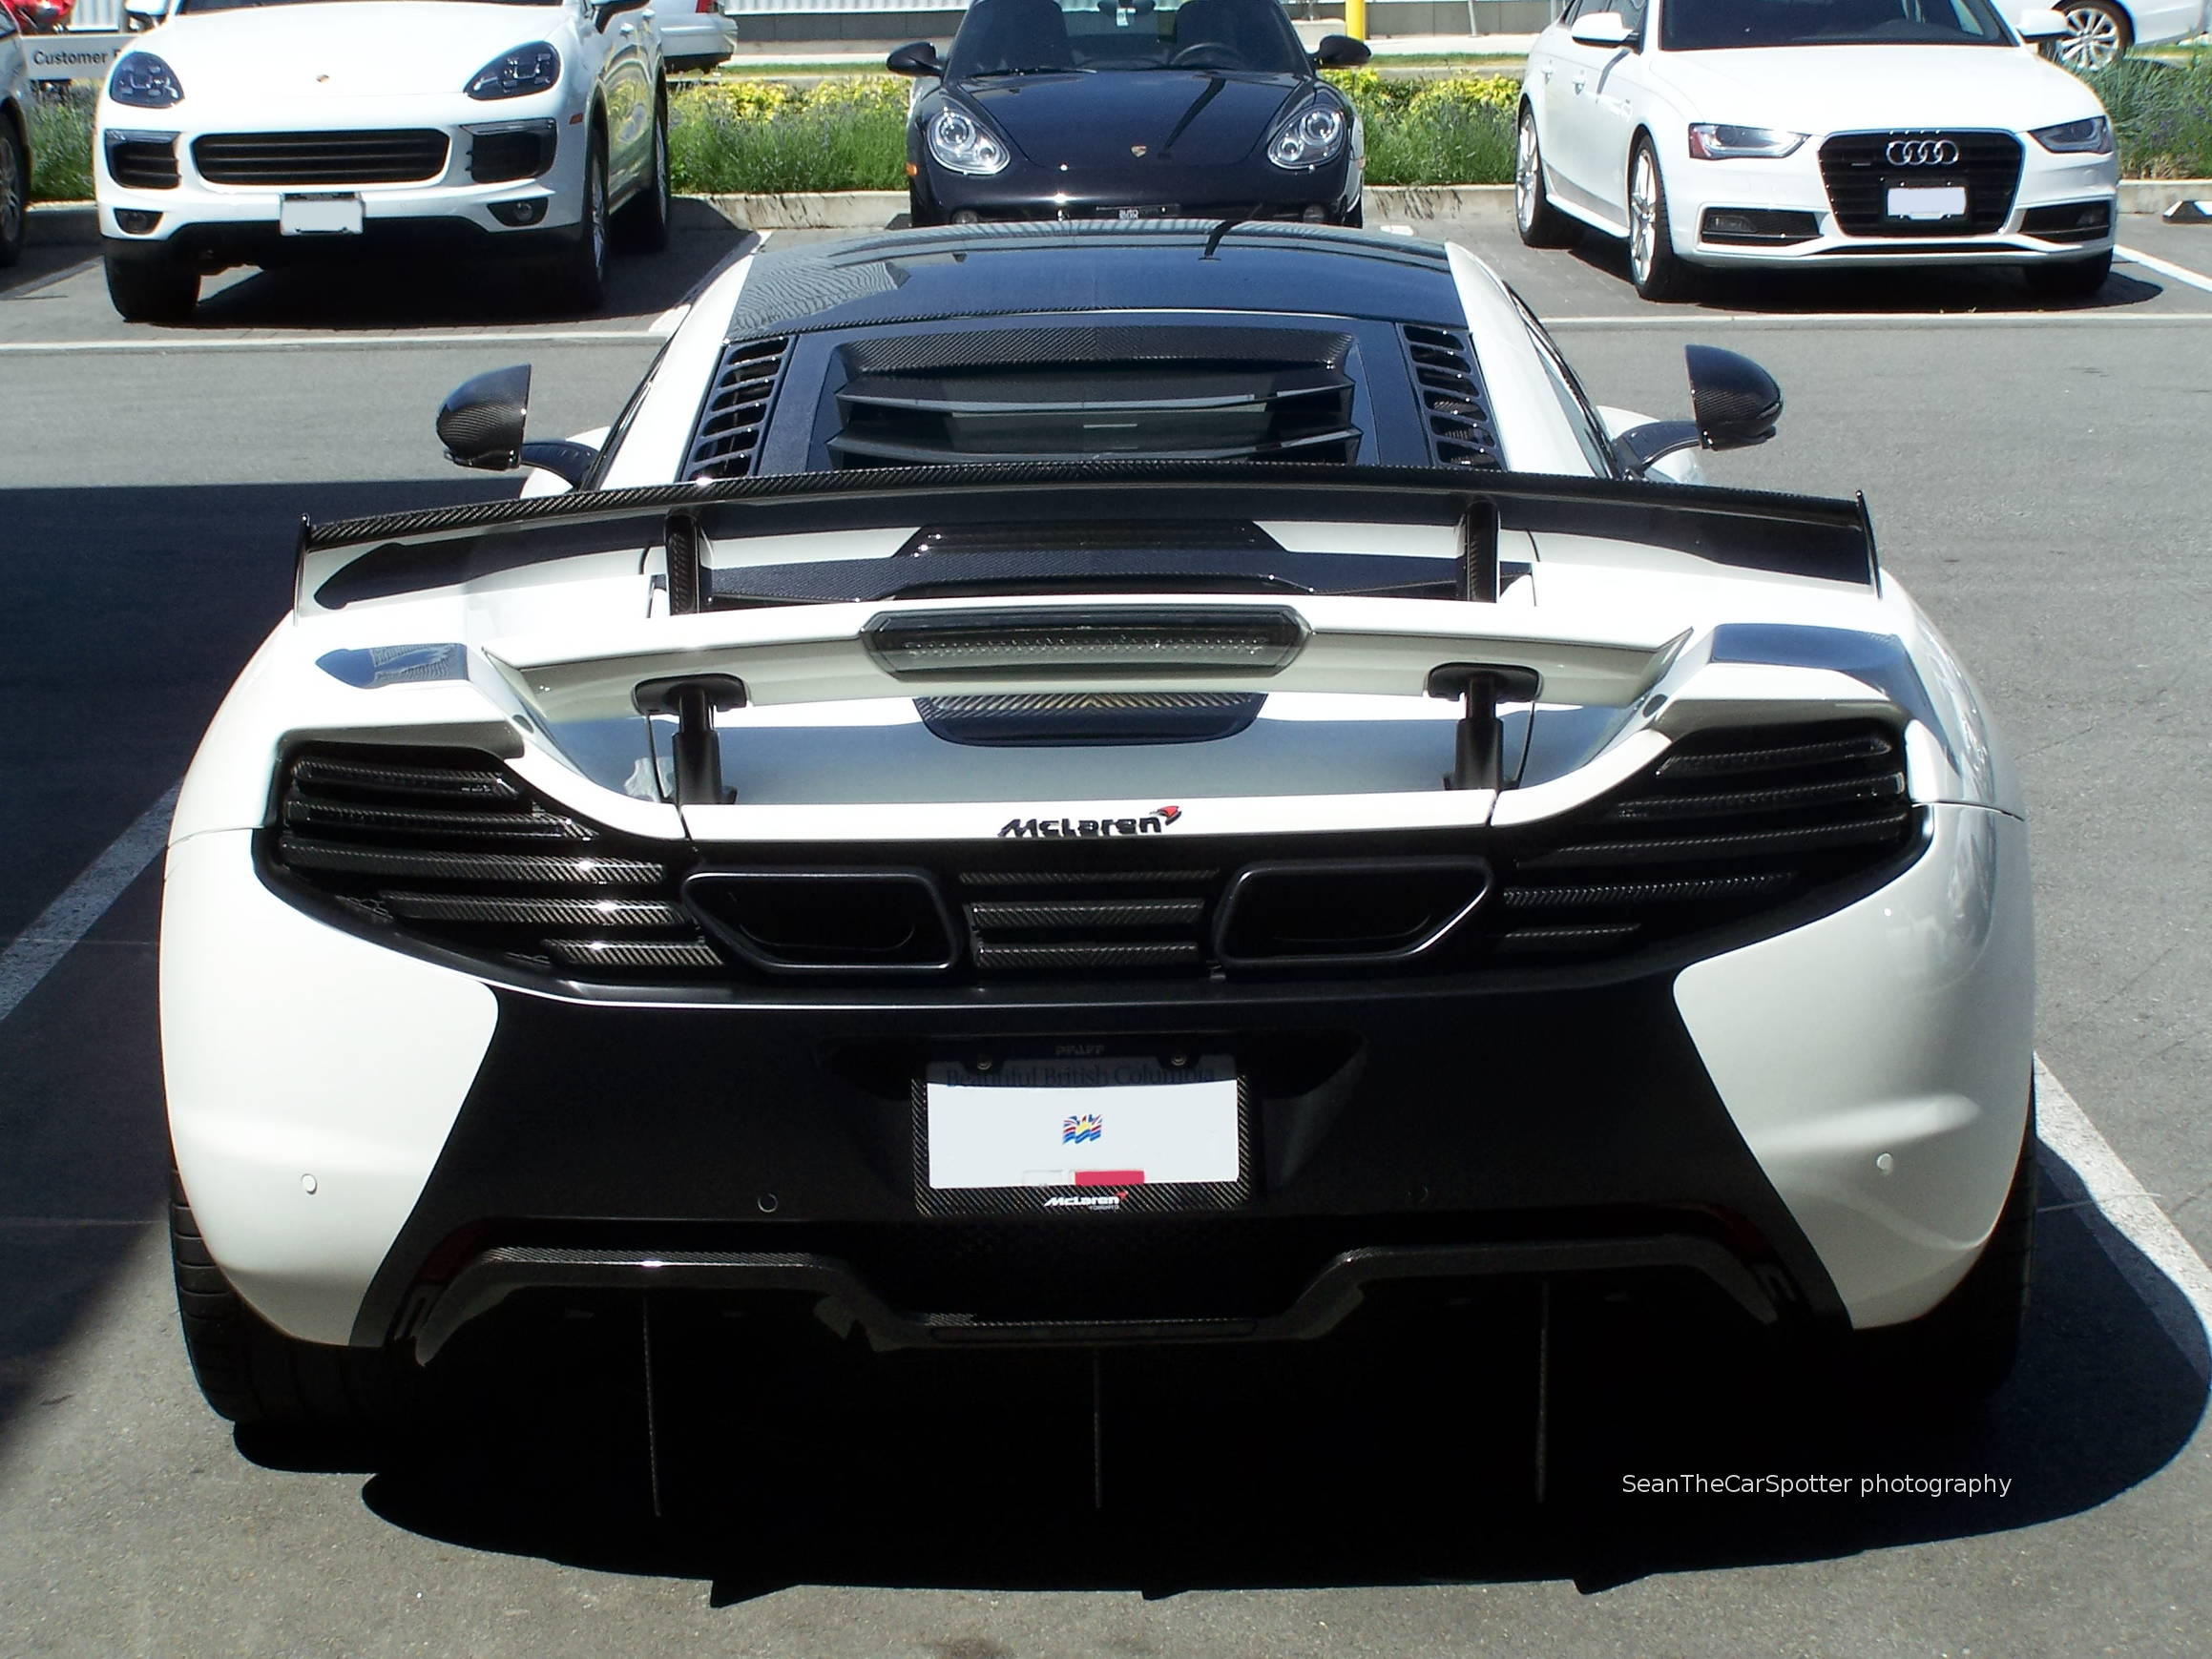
(1356, 19)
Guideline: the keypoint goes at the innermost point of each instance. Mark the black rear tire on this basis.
(1951, 1359)
(2069, 279)
(253, 1374)
(152, 286)
(15, 189)
(642, 224)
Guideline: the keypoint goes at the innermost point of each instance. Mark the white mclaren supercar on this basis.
(1096, 783)
(274, 132)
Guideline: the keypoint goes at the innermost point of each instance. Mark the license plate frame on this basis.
(321, 213)
(1919, 203)
(1043, 1094)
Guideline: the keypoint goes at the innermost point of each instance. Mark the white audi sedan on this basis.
(1725, 132)
(272, 132)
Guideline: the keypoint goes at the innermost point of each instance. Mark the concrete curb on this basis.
(76, 223)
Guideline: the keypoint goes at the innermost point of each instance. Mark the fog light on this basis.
(527, 211)
(965, 216)
(135, 221)
(1766, 226)
(1315, 213)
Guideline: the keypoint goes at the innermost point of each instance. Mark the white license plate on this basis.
(1930, 201)
(1080, 1123)
(318, 216)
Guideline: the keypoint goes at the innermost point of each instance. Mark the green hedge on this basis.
(849, 132)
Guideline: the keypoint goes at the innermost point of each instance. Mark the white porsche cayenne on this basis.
(270, 131)
(1722, 132)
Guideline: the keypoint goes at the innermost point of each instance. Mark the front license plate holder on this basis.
(1926, 203)
(1083, 1137)
(320, 214)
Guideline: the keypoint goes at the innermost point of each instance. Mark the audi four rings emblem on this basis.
(1923, 153)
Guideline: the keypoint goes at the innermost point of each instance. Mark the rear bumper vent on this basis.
(1729, 825)
(447, 849)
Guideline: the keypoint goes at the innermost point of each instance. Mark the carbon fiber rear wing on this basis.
(1806, 537)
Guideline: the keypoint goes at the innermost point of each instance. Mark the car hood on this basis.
(1100, 118)
(1830, 89)
(343, 49)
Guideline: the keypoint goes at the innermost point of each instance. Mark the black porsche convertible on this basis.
(1130, 109)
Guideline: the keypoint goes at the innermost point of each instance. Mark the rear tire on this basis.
(253, 1374)
(152, 286)
(642, 224)
(1660, 274)
(1541, 224)
(14, 190)
(1952, 1359)
(2069, 279)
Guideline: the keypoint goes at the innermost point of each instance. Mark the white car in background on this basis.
(271, 131)
(1840, 133)
(694, 35)
(2097, 32)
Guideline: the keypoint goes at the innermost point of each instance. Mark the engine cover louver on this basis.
(1730, 835)
(447, 847)
(737, 408)
(1728, 824)
(1454, 401)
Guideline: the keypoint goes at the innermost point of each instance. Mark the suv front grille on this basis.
(1858, 177)
(320, 158)
(447, 849)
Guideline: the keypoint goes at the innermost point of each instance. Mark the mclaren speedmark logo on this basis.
(1151, 824)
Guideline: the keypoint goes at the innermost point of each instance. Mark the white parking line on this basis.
(34, 953)
(2162, 1250)
(670, 321)
(1871, 319)
(329, 342)
(2166, 268)
(2162, 1261)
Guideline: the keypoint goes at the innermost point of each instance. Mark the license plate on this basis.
(1082, 1133)
(318, 216)
(1927, 201)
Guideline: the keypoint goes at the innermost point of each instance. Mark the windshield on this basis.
(202, 6)
(1714, 25)
(1007, 37)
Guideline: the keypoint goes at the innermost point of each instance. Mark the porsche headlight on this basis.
(535, 68)
(143, 80)
(958, 140)
(1315, 134)
(2090, 137)
(1711, 141)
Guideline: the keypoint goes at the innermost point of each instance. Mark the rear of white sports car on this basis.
(1529, 881)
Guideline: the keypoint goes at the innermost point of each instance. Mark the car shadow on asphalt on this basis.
(1923, 289)
(431, 294)
(1395, 1453)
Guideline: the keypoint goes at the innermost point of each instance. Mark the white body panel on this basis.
(1593, 104)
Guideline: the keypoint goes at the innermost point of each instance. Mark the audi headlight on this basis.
(2090, 137)
(143, 80)
(958, 140)
(1710, 141)
(535, 68)
(1315, 134)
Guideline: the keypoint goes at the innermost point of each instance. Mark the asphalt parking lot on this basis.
(2038, 477)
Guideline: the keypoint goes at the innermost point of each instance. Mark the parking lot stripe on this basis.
(2161, 1250)
(34, 953)
(331, 341)
(2166, 268)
